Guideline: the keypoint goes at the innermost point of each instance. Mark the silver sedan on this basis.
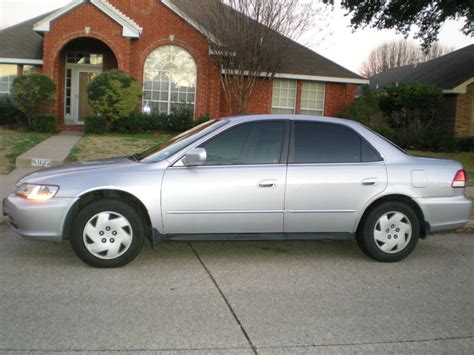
(246, 178)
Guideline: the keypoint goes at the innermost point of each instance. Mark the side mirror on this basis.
(195, 157)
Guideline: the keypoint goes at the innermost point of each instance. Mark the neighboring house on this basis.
(454, 74)
(161, 44)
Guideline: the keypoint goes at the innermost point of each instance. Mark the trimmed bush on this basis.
(32, 94)
(180, 119)
(113, 95)
(201, 119)
(44, 124)
(364, 108)
(411, 110)
(95, 124)
(9, 114)
(385, 130)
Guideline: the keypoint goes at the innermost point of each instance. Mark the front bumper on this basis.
(43, 221)
(446, 213)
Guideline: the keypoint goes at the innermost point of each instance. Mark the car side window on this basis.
(247, 144)
(317, 142)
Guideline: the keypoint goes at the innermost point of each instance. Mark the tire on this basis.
(390, 232)
(108, 233)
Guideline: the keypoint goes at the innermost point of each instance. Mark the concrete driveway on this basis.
(238, 298)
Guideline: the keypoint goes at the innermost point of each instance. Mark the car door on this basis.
(240, 188)
(332, 173)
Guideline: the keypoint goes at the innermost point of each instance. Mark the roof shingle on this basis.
(446, 72)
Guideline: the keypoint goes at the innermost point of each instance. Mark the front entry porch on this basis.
(81, 61)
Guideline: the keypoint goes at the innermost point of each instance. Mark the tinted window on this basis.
(330, 143)
(249, 143)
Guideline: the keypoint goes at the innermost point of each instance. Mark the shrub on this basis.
(364, 108)
(9, 114)
(411, 109)
(95, 124)
(138, 122)
(385, 130)
(201, 119)
(181, 119)
(31, 94)
(113, 95)
(44, 124)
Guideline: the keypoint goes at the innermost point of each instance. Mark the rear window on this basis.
(316, 142)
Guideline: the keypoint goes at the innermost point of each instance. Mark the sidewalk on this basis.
(51, 152)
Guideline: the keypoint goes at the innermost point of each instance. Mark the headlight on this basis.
(37, 192)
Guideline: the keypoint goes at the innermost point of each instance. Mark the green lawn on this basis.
(466, 158)
(93, 147)
(14, 143)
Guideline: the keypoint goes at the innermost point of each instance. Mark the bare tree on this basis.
(249, 38)
(395, 54)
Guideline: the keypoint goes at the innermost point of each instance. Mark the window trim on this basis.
(284, 154)
(291, 155)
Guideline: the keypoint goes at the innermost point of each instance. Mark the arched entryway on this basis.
(80, 61)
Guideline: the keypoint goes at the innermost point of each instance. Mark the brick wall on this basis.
(161, 27)
(464, 126)
(338, 98)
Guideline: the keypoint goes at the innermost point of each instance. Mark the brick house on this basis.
(162, 45)
(454, 74)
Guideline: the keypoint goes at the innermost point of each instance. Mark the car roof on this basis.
(249, 118)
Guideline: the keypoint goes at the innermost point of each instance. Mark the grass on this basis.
(466, 158)
(14, 143)
(93, 147)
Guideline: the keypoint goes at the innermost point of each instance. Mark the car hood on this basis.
(76, 168)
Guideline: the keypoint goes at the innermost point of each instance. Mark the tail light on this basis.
(460, 179)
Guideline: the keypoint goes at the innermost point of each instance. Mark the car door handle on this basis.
(267, 184)
(369, 182)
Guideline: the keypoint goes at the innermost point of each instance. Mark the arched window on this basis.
(170, 79)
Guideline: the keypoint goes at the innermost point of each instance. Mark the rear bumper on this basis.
(446, 213)
(42, 221)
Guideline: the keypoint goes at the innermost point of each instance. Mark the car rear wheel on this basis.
(390, 232)
(108, 233)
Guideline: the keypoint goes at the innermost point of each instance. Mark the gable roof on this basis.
(300, 61)
(130, 28)
(451, 72)
(20, 44)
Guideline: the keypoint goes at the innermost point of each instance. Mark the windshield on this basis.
(165, 150)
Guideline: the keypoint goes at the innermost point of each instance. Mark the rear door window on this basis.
(316, 142)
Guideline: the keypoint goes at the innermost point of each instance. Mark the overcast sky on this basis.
(342, 45)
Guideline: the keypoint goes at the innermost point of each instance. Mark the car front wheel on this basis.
(108, 233)
(390, 232)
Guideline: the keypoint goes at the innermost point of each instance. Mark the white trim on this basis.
(326, 79)
(130, 28)
(21, 61)
(461, 88)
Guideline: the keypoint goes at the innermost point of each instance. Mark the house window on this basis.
(284, 96)
(170, 80)
(84, 58)
(28, 69)
(312, 98)
(8, 73)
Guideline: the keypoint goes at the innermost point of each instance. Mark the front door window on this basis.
(85, 108)
(81, 68)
